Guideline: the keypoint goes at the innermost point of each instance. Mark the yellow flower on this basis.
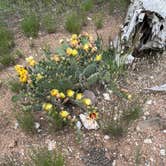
(93, 115)
(86, 47)
(54, 92)
(70, 93)
(74, 52)
(30, 60)
(98, 58)
(18, 68)
(55, 58)
(47, 106)
(62, 95)
(39, 77)
(129, 96)
(87, 101)
(74, 37)
(79, 96)
(74, 43)
(64, 114)
(69, 51)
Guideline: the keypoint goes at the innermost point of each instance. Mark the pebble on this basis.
(149, 102)
(13, 144)
(163, 152)
(37, 125)
(16, 125)
(79, 125)
(164, 131)
(106, 96)
(106, 137)
(51, 145)
(147, 141)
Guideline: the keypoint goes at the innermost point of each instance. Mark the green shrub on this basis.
(30, 25)
(98, 19)
(49, 23)
(26, 121)
(56, 83)
(44, 157)
(87, 5)
(6, 46)
(73, 23)
(15, 86)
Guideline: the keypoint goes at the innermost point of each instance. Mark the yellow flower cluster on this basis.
(56, 93)
(71, 52)
(31, 62)
(47, 107)
(64, 114)
(22, 72)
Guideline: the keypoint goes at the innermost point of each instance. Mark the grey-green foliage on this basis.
(44, 157)
(30, 25)
(6, 46)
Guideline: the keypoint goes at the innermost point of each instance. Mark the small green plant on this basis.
(49, 23)
(87, 5)
(6, 46)
(98, 19)
(73, 23)
(30, 25)
(15, 86)
(26, 121)
(44, 157)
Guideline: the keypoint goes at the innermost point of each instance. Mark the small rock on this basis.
(163, 152)
(106, 96)
(88, 18)
(149, 102)
(79, 125)
(51, 145)
(16, 125)
(90, 95)
(164, 131)
(106, 137)
(88, 123)
(147, 141)
(37, 125)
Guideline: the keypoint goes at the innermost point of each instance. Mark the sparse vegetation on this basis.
(49, 23)
(98, 20)
(6, 46)
(73, 23)
(30, 25)
(26, 121)
(15, 86)
(87, 5)
(44, 157)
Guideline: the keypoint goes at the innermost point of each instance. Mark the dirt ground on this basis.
(143, 145)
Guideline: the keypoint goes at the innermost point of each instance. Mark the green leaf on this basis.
(89, 70)
(93, 79)
(15, 98)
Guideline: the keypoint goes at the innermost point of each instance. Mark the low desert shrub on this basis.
(6, 46)
(30, 25)
(74, 23)
(56, 83)
(49, 23)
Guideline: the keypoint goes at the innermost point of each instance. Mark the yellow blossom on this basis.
(69, 51)
(87, 101)
(55, 58)
(54, 92)
(62, 95)
(129, 96)
(30, 60)
(64, 114)
(47, 106)
(74, 52)
(39, 77)
(79, 96)
(74, 37)
(74, 43)
(70, 93)
(86, 47)
(98, 58)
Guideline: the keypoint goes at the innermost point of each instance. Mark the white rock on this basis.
(106, 137)
(88, 123)
(106, 96)
(51, 145)
(114, 163)
(37, 125)
(163, 152)
(16, 125)
(149, 102)
(79, 125)
(89, 18)
(147, 141)
(146, 113)
(164, 131)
